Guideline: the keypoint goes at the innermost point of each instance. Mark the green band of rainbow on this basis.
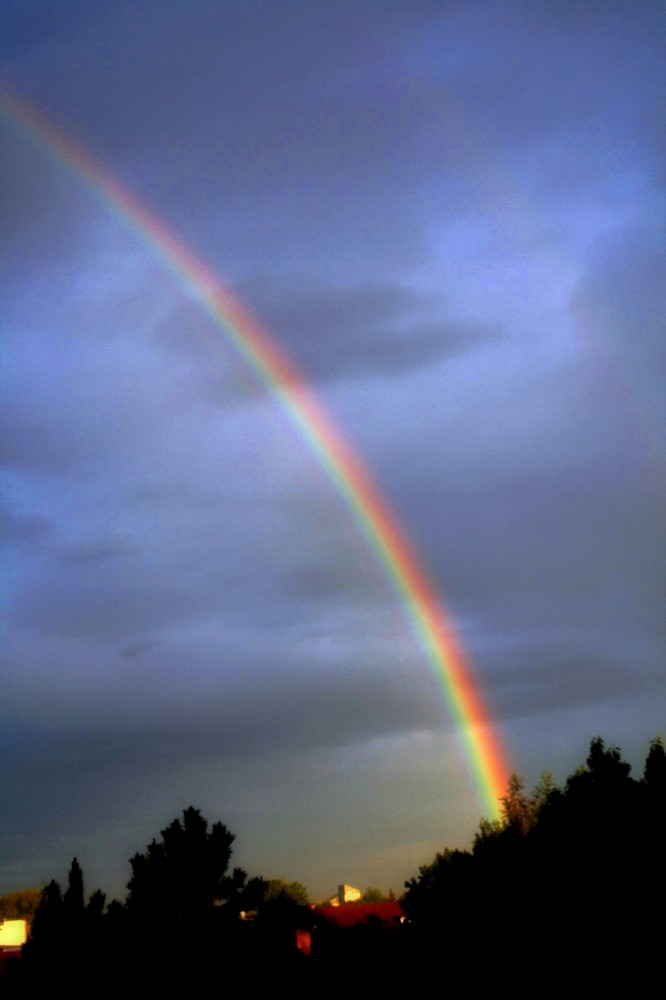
(346, 471)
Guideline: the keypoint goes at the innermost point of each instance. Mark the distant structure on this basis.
(345, 894)
(13, 935)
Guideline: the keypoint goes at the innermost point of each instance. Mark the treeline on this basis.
(568, 887)
(571, 881)
(181, 926)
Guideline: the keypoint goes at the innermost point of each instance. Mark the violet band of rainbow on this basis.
(349, 475)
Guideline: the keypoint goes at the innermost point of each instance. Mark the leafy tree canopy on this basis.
(295, 891)
(373, 895)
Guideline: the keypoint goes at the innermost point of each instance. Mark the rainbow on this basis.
(351, 478)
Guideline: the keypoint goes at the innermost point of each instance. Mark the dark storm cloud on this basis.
(288, 712)
(551, 679)
(355, 332)
(297, 712)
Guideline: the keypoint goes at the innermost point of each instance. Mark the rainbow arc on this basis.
(347, 472)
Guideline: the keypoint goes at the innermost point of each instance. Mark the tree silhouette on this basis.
(179, 927)
(517, 808)
(184, 875)
(73, 898)
(183, 905)
(567, 865)
(654, 774)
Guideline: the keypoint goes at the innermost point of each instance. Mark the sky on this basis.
(451, 217)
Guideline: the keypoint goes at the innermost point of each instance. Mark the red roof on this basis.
(350, 914)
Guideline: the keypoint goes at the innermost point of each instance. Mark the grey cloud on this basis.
(115, 601)
(343, 579)
(86, 408)
(105, 603)
(112, 762)
(134, 649)
(96, 552)
(206, 365)
(622, 305)
(550, 680)
(21, 530)
(292, 711)
(35, 241)
(588, 553)
(34, 443)
(354, 332)
(357, 122)
(109, 589)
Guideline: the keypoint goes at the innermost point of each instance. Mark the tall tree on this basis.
(73, 898)
(654, 773)
(517, 806)
(184, 875)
